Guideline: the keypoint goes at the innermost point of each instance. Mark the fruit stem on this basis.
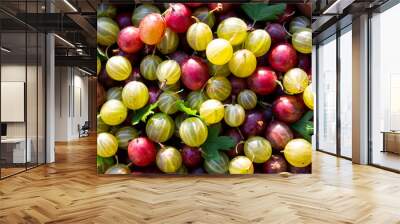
(237, 145)
(240, 133)
(166, 11)
(219, 7)
(233, 99)
(129, 164)
(264, 104)
(154, 51)
(280, 84)
(163, 84)
(116, 158)
(179, 91)
(106, 52)
(115, 51)
(252, 25)
(284, 28)
(203, 87)
(161, 145)
(196, 19)
(291, 14)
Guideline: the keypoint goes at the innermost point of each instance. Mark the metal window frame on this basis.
(339, 32)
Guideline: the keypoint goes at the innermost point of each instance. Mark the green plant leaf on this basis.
(304, 126)
(103, 163)
(101, 54)
(142, 114)
(214, 143)
(262, 11)
(181, 105)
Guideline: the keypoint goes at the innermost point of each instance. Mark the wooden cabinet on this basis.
(391, 142)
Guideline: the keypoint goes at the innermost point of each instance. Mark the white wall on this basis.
(61, 103)
(71, 102)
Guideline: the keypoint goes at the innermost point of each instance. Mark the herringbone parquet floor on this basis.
(70, 192)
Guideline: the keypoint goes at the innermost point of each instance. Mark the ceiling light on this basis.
(84, 71)
(338, 6)
(5, 50)
(70, 5)
(333, 6)
(64, 40)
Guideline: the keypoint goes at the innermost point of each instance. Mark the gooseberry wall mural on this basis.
(204, 88)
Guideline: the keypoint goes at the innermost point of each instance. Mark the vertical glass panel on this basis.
(31, 98)
(327, 95)
(32, 88)
(385, 84)
(41, 99)
(346, 92)
(13, 86)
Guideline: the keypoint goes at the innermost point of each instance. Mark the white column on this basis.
(50, 99)
(360, 90)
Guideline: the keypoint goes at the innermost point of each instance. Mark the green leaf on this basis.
(214, 143)
(304, 126)
(103, 163)
(180, 104)
(142, 114)
(101, 54)
(262, 11)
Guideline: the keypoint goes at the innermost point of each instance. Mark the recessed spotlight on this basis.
(84, 71)
(64, 40)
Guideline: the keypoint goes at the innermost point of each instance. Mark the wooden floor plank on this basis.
(70, 191)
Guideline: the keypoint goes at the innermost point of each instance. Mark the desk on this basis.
(18, 149)
(391, 141)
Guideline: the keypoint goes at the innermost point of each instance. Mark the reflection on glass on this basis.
(327, 96)
(346, 92)
(385, 84)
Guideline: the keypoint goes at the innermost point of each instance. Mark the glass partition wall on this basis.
(385, 89)
(22, 77)
(334, 94)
